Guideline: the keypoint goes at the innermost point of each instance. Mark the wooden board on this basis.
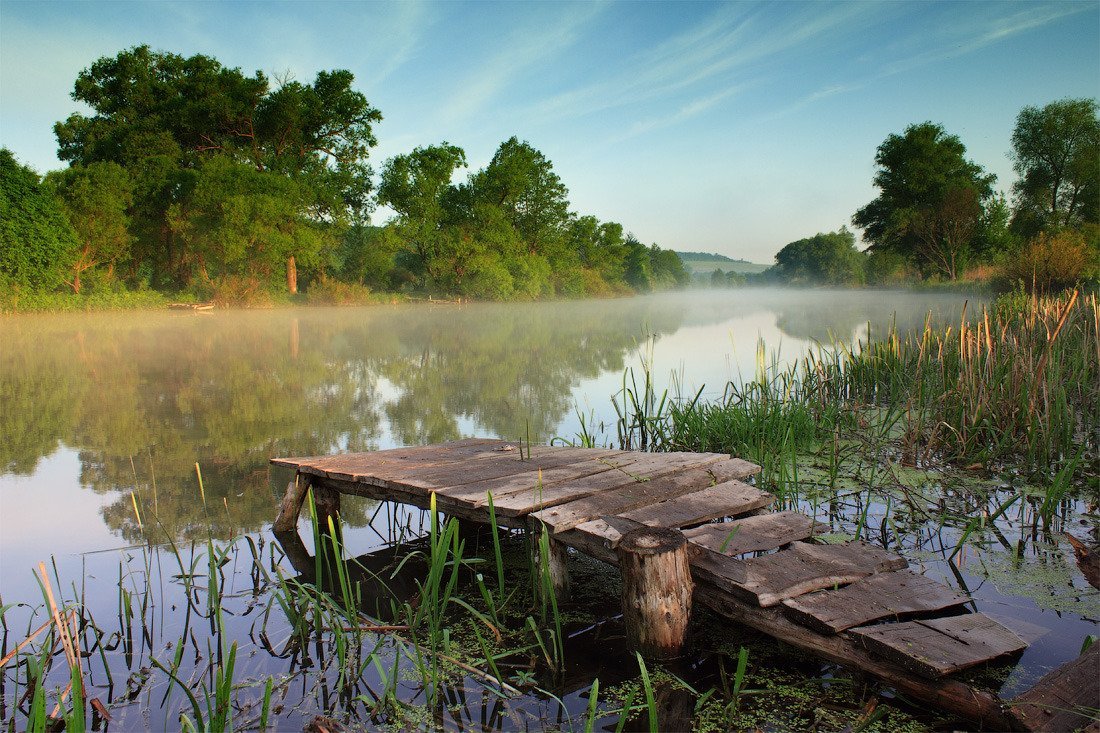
(641, 470)
(752, 534)
(938, 647)
(636, 494)
(803, 568)
(439, 477)
(727, 499)
(412, 453)
(968, 701)
(1065, 699)
(475, 494)
(880, 596)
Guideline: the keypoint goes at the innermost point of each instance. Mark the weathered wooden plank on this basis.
(884, 595)
(727, 499)
(803, 568)
(475, 494)
(752, 534)
(948, 694)
(409, 453)
(937, 647)
(438, 478)
(1065, 699)
(600, 537)
(646, 467)
(637, 494)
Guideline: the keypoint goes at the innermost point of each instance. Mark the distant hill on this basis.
(705, 262)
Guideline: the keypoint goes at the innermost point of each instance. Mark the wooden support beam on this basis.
(556, 565)
(291, 505)
(657, 590)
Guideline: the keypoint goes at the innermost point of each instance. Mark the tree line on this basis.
(937, 215)
(189, 176)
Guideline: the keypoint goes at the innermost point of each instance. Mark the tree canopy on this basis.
(1056, 152)
(930, 200)
(823, 259)
(37, 243)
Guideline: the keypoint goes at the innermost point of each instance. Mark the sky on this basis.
(722, 127)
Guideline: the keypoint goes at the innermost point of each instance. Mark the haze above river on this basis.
(96, 406)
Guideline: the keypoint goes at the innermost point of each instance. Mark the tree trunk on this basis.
(291, 276)
(657, 590)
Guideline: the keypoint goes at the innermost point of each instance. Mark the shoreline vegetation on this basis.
(194, 182)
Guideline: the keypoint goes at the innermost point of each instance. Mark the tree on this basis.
(1056, 152)
(824, 259)
(637, 271)
(414, 186)
(36, 240)
(522, 182)
(923, 210)
(163, 117)
(96, 199)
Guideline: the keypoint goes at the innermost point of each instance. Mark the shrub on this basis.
(1050, 262)
(330, 291)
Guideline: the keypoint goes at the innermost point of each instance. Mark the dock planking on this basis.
(881, 596)
(752, 534)
(802, 568)
(637, 494)
(942, 646)
(1065, 699)
(819, 597)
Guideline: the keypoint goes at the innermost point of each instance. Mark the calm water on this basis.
(102, 412)
(96, 406)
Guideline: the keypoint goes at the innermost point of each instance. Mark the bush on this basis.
(1050, 262)
(330, 291)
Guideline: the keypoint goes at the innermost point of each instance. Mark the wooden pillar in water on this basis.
(556, 564)
(657, 590)
(291, 505)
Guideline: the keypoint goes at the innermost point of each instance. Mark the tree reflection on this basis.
(145, 398)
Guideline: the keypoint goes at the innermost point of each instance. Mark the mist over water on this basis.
(97, 406)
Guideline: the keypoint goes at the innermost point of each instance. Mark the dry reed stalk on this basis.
(19, 647)
(63, 629)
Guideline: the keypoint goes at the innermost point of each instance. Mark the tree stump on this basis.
(657, 590)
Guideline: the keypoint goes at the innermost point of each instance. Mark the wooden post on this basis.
(557, 565)
(657, 590)
(327, 502)
(291, 505)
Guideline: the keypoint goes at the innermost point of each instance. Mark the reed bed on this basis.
(1016, 383)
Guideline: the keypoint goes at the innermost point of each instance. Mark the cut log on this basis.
(938, 647)
(657, 590)
(880, 596)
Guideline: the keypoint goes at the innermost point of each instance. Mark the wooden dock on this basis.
(853, 603)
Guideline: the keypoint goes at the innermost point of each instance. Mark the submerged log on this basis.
(657, 590)
(291, 505)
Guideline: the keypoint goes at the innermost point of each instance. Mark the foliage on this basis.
(1056, 152)
(930, 200)
(37, 243)
(823, 259)
(1051, 262)
(185, 128)
(96, 199)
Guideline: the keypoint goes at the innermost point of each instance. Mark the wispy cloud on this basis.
(729, 40)
(522, 49)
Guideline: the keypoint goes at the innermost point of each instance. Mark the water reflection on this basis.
(143, 397)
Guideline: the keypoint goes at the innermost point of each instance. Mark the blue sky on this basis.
(728, 127)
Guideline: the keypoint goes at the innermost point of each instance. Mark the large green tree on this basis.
(414, 186)
(1056, 152)
(163, 117)
(824, 259)
(930, 200)
(37, 243)
(97, 199)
